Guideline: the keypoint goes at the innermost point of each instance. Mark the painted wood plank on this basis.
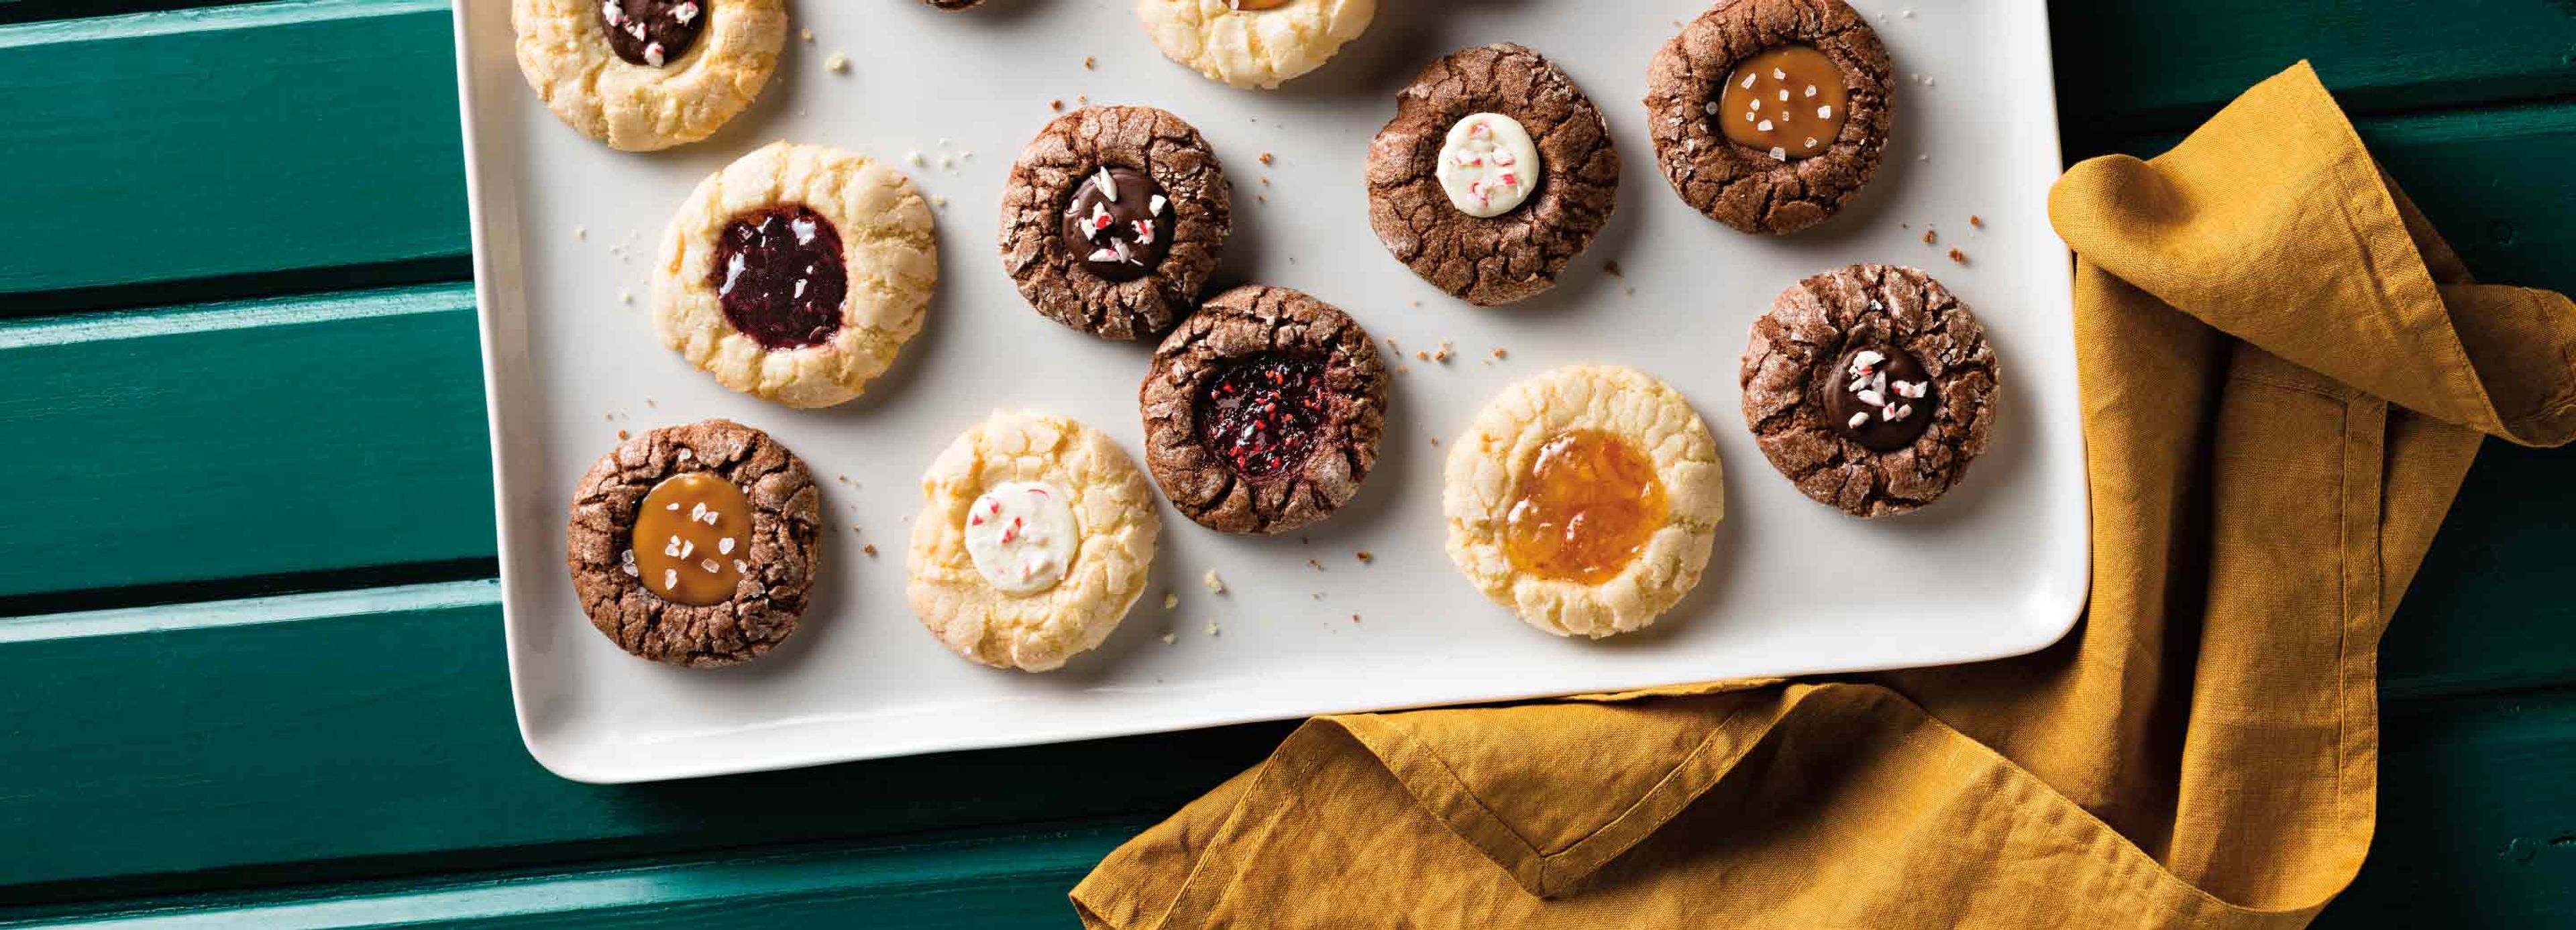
(245, 439)
(2477, 817)
(252, 138)
(364, 733)
(2135, 66)
(1009, 881)
(370, 733)
(2475, 830)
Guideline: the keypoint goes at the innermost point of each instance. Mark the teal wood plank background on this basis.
(181, 761)
(258, 138)
(254, 438)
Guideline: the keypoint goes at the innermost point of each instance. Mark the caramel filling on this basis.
(1587, 506)
(1789, 101)
(692, 539)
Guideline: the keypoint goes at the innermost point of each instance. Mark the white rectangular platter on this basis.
(562, 227)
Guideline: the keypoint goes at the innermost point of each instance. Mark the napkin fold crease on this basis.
(2285, 374)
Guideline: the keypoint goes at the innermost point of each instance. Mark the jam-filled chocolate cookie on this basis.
(796, 273)
(1495, 172)
(1263, 411)
(1034, 538)
(695, 545)
(1870, 387)
(1113, 219)
(1254, 43)
(648, 74)
(1585, 499)
(1769, 115)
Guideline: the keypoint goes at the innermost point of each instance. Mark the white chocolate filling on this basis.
(1022, 537)
(1488, 166)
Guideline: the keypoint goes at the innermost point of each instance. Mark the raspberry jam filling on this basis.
(1261, 415)
(779, 275)
(652, 32)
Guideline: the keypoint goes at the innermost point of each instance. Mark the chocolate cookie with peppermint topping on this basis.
(1494, 174)
(1113, 219)
(1871, 387)
(1263, 411)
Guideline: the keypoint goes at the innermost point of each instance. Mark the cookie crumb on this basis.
(1170, 600)
(581, 232)
(1930, 236)
(1355, 618)
(1266, 160)
(1318, 566)
(1499, 353)
(1435, 440)
(1958, 256)
(1090, 62)
(1364, 556)
(837, 63)
(940, 202)
(1403, 369)
(870, 549)
(1082, 100)
(1213, 582)
(622, 436)
(808, 35)
(1169, 639)
(915, 158)
(625, 296)
(1265, 180)
(1976, 221)
(1056, 105)
(1211, 628)
(1611, 268)
(1264, 198)
(1421, 356)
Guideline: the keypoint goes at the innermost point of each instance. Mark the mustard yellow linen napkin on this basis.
(2285, 376)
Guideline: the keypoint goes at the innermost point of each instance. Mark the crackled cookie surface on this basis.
(695, 545)
(647, 74)
(1113, 219)
(1263, 411)
(797, 273)
(1871, 387)
(1254, 43)
(1769, 115)
(1586, 499)
(1034, 539)
(1494, 174)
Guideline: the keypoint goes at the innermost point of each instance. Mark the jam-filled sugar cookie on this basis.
(796, 273)
(1586, 499)
(648, 74)
(1254, 43)
(1034, 539)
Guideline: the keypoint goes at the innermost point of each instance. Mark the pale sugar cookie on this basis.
(1034, 538)
(1586, 499)
(647, 74)
(1254, 43)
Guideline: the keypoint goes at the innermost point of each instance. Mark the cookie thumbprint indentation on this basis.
(1261, 415)
(1119, 223)
(779, 275)
(652, 32)
(1586, 508)
(692, 535)
(1878, 396)
(1789, 101)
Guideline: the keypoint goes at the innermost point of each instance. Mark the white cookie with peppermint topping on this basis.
(1035, 537)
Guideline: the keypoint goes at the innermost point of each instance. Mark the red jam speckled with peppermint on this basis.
(1261, 414)
(779, 275)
